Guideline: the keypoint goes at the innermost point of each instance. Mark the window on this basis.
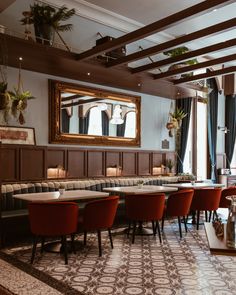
(197, 134)
(95, 121)
(130, 125)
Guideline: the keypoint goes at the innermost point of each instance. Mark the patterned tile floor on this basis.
(178, 266)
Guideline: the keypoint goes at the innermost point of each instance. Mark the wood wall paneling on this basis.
(76, 164)
(112, 159)
(129, 164)
(32, 163)
(157, 159)
(9, 170)
(55, 158)
(144, 163)
(96, 164)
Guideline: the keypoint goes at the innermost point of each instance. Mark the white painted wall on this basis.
(154, 110)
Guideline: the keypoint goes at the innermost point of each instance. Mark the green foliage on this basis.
(48, 15)
(179, 51)
(178, 114)
(18, 95)
(169, 164)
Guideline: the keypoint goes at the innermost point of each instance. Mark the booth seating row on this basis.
(11, 208)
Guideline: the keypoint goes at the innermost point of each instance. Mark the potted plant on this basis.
(176, 52)
(169, 164)
(62, 188)
(47, 20)
(19, 103)
(175, 120)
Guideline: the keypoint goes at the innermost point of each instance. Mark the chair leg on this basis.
(73, 243)
(210, 216)
(162, 222)
(64, 244)
(198, 216)
(153, 228)
(134, 228)
(215, 215)
(99, 243)
(185, 224)
(206, 217)
(110, 237)
(159, 230)
(42, 244)
(180, 230)
(85, 238)
(34, 249)
(128, 230)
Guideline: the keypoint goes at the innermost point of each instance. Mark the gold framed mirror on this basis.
(91, 116)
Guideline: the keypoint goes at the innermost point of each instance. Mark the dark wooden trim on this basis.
(187, 69)
(186, 56)
(160, 25)
(210, 74)
(209, 31)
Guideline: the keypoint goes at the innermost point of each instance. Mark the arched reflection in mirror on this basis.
(81, 115)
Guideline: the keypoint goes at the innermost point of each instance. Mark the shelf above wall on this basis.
(57, 62)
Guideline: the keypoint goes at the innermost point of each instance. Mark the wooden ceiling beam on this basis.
(81, 102)
(210, 74)
(186, 56)
(191, 68)
(209, 31)
(160, 25)
(71, 97)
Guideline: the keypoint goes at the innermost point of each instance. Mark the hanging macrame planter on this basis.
(175, 120)
(19, 98)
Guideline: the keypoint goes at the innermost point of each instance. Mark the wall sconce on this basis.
(114, 171)
(157, 170)
(224, 129)
(57, 172)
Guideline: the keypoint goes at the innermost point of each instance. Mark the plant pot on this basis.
(44, 34)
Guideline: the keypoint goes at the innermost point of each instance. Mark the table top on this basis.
(74, 195)
(145, 189)
(217, 245)
(193, 186)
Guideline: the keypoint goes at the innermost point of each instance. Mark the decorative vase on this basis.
(231, 224)
(44, 34)
(61, 191)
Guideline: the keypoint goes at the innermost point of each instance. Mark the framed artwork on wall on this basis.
(17, 135)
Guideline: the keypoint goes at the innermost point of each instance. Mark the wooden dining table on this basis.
(193, 185)
(135, 190)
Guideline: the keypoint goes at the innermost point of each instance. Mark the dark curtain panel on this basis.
(65, 120)
(84, 124)
(230, 123)
(212, 124)
(105, 124)
(185, 105)
(120, 129)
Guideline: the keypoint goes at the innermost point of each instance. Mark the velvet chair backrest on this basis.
(179, 203)
(145, 207)
(53, 219)
(100, 214)
(230, 191)
(206, 199)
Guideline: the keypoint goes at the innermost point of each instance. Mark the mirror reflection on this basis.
(86, 115)
(90, 115)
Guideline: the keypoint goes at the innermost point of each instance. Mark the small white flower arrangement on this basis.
(62, 188)
(140, 183)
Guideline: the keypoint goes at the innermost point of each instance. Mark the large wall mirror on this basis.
(85, 115)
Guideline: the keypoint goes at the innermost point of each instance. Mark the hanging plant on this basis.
(175, 120)
(19, 99)
(5, 101)
(19, 103)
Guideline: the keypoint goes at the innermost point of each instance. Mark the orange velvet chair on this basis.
(144, 208)
(230, 191)
(207, 199)
(178, 204)
(53, 219)
(99, 215)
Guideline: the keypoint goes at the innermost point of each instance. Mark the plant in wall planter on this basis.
(175, 121)
(47, 20)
